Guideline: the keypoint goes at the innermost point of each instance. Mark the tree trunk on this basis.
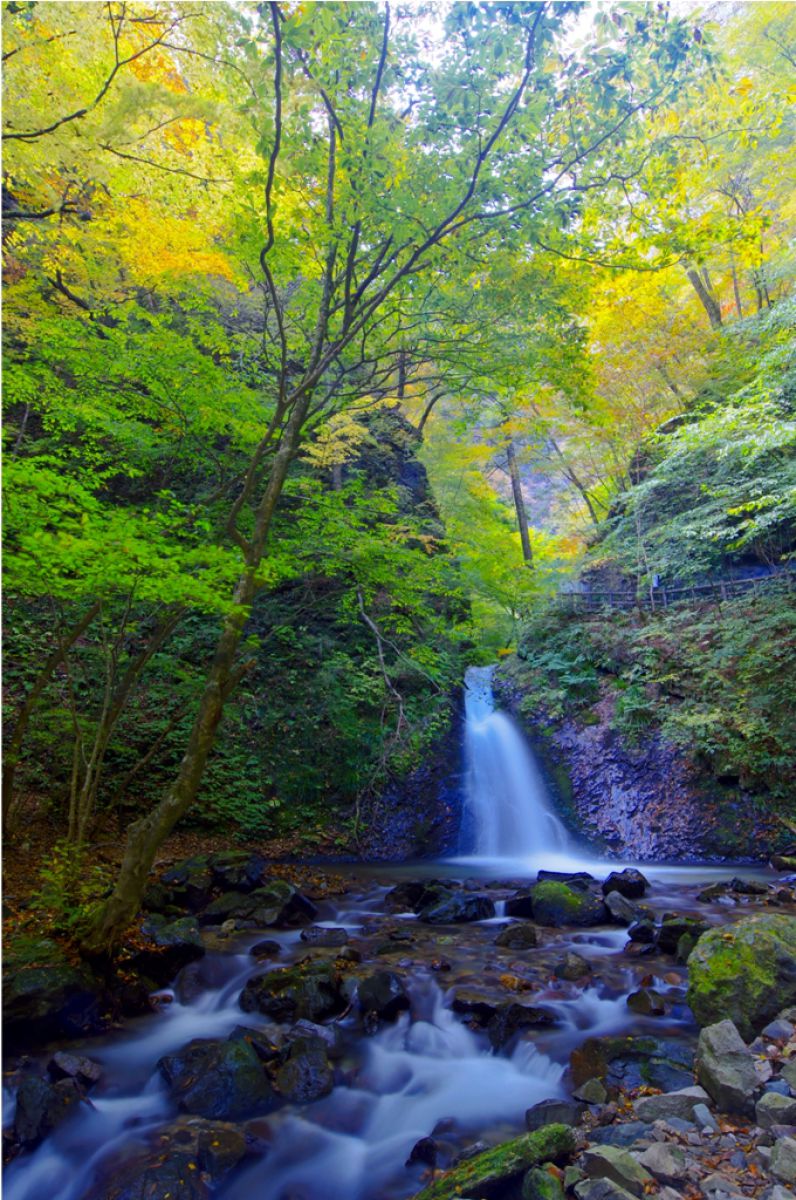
(519, 505)
(704, 290)
(736, 287)
(12, 751)
(146, 835)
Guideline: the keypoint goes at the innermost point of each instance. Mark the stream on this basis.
(428, 1072)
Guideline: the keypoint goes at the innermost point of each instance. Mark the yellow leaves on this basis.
(743, 87)
(185, 134)
(156, 67)
(156, 244)
(336, 442)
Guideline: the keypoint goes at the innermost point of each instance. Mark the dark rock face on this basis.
(555, 904)
(313, 990)
(317, 935)
(522, 936)
(221, 1079)
(383, 995)
(511, 1019)
(73, 1066)
(277, 904)
(175, 1176)
(305, 1073)
(630, 883)
(42, 1106)
(52, 1001)
(175, 944)
(456, 908)
(554, 1112)
(646, 802)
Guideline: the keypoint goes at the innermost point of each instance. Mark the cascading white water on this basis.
(505, 794)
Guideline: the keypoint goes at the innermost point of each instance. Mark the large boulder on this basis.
(619, 1166)
(629, 883)
(680, 1105)
(188, 883)
(237, 870)
(304, 1074)
(312, 989)
(55, 999)
(42, 1106)
(173, 944)
(674, 928)
(278, 904)
(511, 1018)
(487, 1174)
(556, 904)
(382, 996)
(221, 1079)
(456, 908)
(519, 936)
(726, 1068)
(745, 972)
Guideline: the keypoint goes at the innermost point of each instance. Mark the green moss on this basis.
(549, 1144)
(551, 892)
(744, 972)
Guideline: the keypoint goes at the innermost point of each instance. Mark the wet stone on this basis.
(42, 1106)
(63, 1065)
(553, 1112)
(521, 936)
(629, 883)
(319, 935)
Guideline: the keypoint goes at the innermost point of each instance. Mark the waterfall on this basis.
(507, 805)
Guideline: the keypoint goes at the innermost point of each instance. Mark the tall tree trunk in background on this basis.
(736, 286)
(519, 505)
(14, 746)
(704, 290)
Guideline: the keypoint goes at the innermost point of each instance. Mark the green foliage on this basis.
(72, 885)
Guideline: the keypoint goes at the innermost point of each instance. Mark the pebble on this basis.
(705, 1119)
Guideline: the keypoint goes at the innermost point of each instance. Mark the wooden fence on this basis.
(664, 597)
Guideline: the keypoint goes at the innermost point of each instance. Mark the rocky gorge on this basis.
(359, 1034)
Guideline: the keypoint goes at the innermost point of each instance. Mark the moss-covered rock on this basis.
(745, 971)
(312, 989)
(484, 1174)
(632, 1062)
(554, 903)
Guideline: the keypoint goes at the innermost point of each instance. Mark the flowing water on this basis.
(428, 1072)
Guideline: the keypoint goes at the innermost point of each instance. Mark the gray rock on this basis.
(591, 1092)
(305, 1075)
(626, 1133)
(671, 1104)
(554, 1112)
(629, 882)
(715, 1186)
(617, 1165)
(778, 1192)
(788, 1073)
(667, 1163)
(621, 909)
(601, 1189)
(63, 1065)
(775, 1109)
(456, 909)
(572, 966)
(219, 1079)
(520, 936)
(704, 1118)
(783, 1160)
(725, 1067)
(383, 994)
(319, 935)
(42, 1106)
(778, 1030)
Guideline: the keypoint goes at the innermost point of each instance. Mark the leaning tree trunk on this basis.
(519, 504)
(704, 290)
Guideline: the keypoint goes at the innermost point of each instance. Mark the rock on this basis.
(777, 1192)
(704, 1118)
(424, 1151)
(265, 949)
(775, 1109)
(748, 887)
(502, 1164)
(42, 1106)
(572, 966)
(554, 1112)
(539, 1184)
(788, 1073)
(647, 1002)
(237, 870)
(601, 1189)
(278, 903)
(305, 1074)
(51, 1001)
(643, 931)
(521, 936)
(671, 1104)
(319, 935)
(576, 879)
(311, 989)
(667, 1163)
(779, 1030)
(617, 1165)
(629, 883)
(383, 994)
(556, 904)
(216, 1078)
(173, 1175)
(675, 927)
(716, 1186)
(745, 971)
(476, 1006)
(457, 909)
(725, 1067)
(631, 1062)
(74, 1066)
(414, 894)
(510, 1018)
(219, 1149)
(591, 1092)
(627, 1133)
(520, 905)
(622, 912)
(330, 1035)
(190, 882)
(783, 1160)
(174, 944)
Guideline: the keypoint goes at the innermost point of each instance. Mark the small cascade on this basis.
(507, 806)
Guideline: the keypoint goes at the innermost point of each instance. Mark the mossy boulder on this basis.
(219, 1079)
(50, 997)
(487, 1174)
(556, 904)
(312, 989)
(745, 972)
(276, 904)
